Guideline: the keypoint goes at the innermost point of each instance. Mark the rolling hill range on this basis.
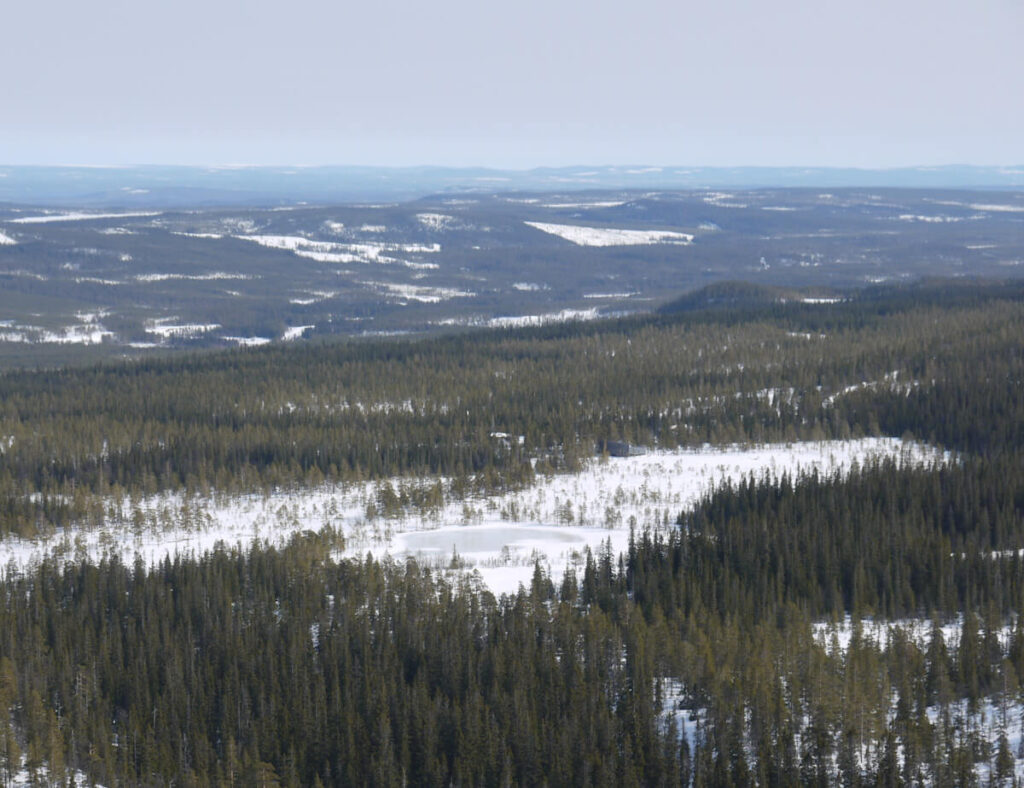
(81, 283)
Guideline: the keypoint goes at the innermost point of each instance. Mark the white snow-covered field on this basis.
(721, 200)
(210, 277)
(6, 240)
(562, 316)
(294, 332)
(593, 204)
(78, 216)
(313, 297)
(337, 252)
(910, 217)
(437, 221)
(165, 328)
(88, 331)
(421, 293)
(628, 294)
(211, 236)
(499, 535)
(248, 341)
(997, 207)
(610, 236)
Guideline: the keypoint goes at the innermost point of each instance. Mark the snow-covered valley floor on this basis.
(499, 535)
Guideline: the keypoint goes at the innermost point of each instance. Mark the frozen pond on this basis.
(484, 539)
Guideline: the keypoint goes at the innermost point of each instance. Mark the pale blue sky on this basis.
(519, 84)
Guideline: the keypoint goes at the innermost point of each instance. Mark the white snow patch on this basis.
(539, 320)
(909, 217)
(609, 236)
(878, 631)
(89, 331)
(596, 204)
(213, 236)
(215, 275)
(166, 329)
(422, 293)
(313, 297)
(294, 332)
(248, 341)
(78, 216)
(720, 200)
(997, 208)
(6, 240)
(335, 252)
(116, 231)
(436, 221)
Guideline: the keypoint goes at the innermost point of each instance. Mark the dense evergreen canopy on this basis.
(691, 659)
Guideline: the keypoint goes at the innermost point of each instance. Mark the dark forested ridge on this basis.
(745, 646)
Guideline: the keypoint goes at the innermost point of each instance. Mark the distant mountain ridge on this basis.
(205, 186)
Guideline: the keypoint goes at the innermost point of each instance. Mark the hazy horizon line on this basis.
(651, 168)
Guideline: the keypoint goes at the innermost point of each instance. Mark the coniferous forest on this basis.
(857, 628)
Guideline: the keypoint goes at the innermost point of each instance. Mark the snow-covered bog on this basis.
(500, 536)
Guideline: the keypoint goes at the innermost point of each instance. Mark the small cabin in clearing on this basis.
(618, 448)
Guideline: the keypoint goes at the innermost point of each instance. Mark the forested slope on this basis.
(942, 362)
(747, 645)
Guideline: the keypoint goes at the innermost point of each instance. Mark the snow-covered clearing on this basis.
(628, 294)
(294, 332)
(610, 236)
(248, 341)
(909, 217)
(421, 293)
(598, 204)
(210, 277)
(438, 221)
(499, 535)
(89, 331)
(720, 200)
(6, 240)
(565, 315)
(313, 297)
(212, 236)
(166, 329)
(78, 216)
(997, 208)
(336, 252)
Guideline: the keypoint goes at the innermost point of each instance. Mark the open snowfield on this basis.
(78, 216)
(500, 535)
(335, 252)
(610, 236)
